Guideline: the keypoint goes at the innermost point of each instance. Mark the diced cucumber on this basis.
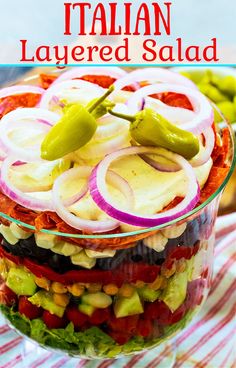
(124, 307)
(86, 309)
(175, 292)
(97, 300)
(44, 299)
(148, 294)
(21, 281)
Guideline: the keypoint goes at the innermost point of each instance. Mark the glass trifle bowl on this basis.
(107, 246)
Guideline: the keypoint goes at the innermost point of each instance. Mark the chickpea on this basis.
(61, 299)
(42, 282)
(110, 289)
(140, 284)
(76, 289)
(180, 266)
(3, 269)
(156, 284)
(58, 288)
(10, 264)
(93, 288)
(168, 272)
(126, 290)
(163, 284)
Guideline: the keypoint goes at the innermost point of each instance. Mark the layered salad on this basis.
(107, 188)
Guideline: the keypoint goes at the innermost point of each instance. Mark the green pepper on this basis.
(227, 109)
(228, 85)
(101, 109)
(221, 89)
(212, 92)
(150, 128)
(75, 128)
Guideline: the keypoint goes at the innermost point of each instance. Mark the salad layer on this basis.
(129, 175)
(149, 290)
(92, 343)
(149, 294)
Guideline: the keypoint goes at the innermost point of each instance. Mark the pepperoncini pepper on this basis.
(75, 128)
(149, 128)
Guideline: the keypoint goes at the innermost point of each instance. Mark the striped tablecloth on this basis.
(208, 342)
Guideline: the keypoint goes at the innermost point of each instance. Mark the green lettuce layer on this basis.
(90, 343)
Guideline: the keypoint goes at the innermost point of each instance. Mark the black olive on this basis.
(31, 249)
(137, 258)
(75, 300)
(13, 249)
(160, 261)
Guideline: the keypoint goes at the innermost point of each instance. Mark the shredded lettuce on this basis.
(90, 343)
(18, 320)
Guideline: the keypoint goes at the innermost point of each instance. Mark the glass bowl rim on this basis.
(139, 231)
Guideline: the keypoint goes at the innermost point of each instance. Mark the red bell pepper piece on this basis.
(100, 316)
(53, 321)
(145, 327)
(7, 296)
(75, 316)
(127, 324)
(120, 337)
(181, 252)
(28, 309)
(128, 272)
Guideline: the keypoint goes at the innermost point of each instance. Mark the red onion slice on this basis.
(153, 75)
(173, 114)
(53, 91)
(122, 185)
(202, 157)
(16, 90)
(3, 154)
(96, 150)
(100, 195)
(113, 178)
(164, 167)
(114, 72)
(12, 120)
(76, 197)
(56, 101)
(70, 218)
(111, 128)
(204, 115)
(17, 195)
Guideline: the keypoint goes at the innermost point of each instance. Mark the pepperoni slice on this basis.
(11, 103)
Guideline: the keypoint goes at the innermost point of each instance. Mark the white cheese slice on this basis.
(66, 249)
(8, 235)
(81, 259)
(104, 254)
(46, 241)
(18, 232)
